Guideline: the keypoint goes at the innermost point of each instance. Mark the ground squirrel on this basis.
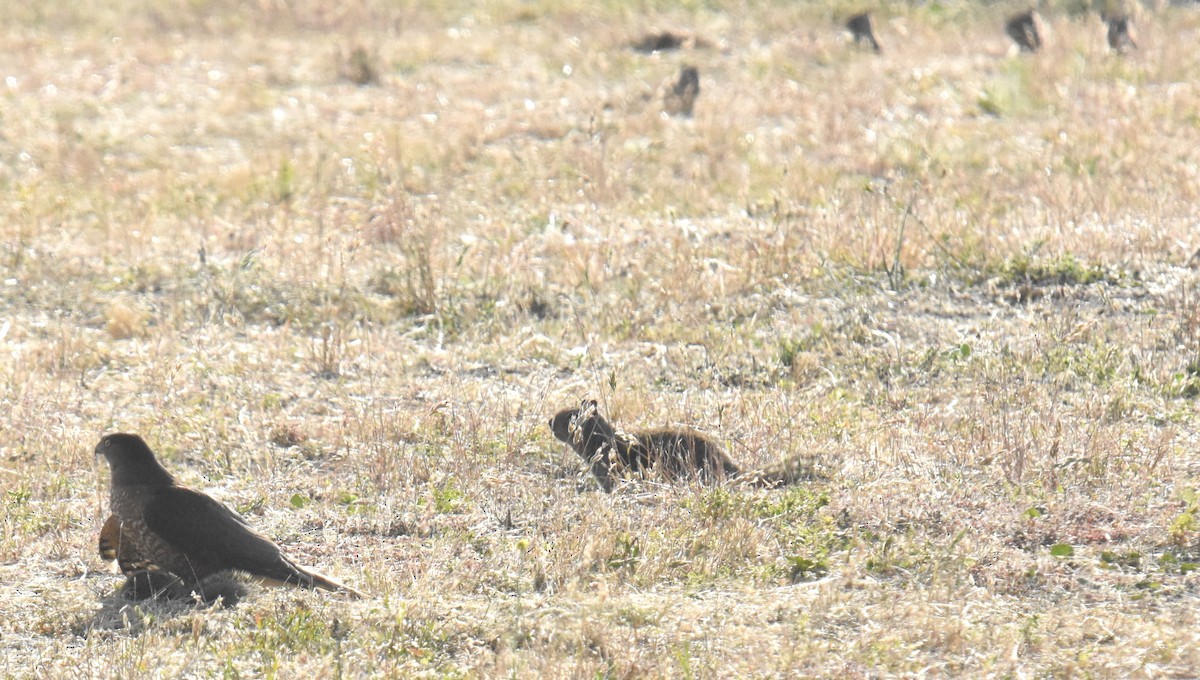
(860, 29)
(669, 454)
(680, 99)
(1023, 29)
(1119, 37)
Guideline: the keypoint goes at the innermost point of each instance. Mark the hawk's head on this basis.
(131, 460)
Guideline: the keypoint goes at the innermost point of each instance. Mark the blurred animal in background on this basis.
(1120, 40)
(860, 29)
(358, 67)
(681, 98)
(1023, 29)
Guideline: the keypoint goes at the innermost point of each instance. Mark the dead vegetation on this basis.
(953, 276)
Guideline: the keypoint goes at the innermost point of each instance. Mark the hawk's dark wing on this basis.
(211, 534)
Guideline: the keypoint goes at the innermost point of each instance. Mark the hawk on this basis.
(168, 538)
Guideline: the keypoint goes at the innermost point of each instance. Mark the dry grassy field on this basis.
(958, 278)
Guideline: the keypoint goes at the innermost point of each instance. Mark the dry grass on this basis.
(347, 305)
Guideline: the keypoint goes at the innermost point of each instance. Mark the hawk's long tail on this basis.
(290, 574)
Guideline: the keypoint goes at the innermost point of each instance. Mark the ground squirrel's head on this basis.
(574, 426)
(561, 424)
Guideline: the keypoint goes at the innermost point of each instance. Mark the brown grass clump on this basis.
(124, 319)
(956, 278)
